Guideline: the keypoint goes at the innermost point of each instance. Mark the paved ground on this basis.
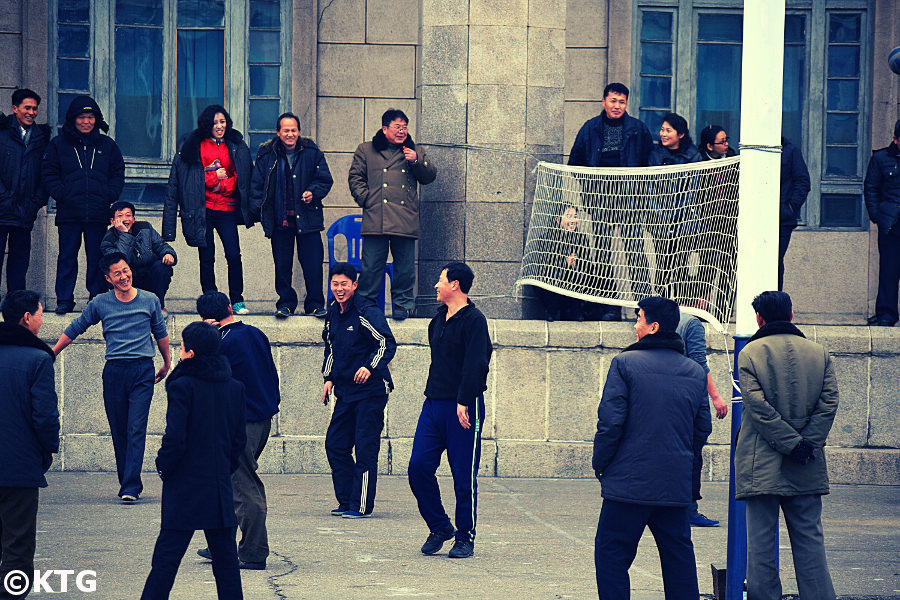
(535, 540)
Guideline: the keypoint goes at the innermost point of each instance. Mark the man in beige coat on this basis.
(790, 398)
(384, 180)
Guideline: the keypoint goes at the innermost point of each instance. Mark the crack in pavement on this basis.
(271, 579)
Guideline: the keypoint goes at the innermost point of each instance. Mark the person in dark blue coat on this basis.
(358, 347)
(652, 416)
(200, 449)
(84, 172)
(795, 186)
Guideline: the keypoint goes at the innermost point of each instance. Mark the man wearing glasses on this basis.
(384, 179)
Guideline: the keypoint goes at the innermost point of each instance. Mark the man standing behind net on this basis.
(614, 139)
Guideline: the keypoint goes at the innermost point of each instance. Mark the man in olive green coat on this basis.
(790, 398)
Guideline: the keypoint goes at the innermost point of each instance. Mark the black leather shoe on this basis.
(204, 553)
(462, 549)
(436, 540)
(253, 566)
(885, 323)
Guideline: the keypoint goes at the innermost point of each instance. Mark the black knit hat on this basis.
(86, 104)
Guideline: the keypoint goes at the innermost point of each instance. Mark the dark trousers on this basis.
(70, 235)
(784, 240)
(310, 255)
(619, 530)
(696, 472)
(18, 531)
(155, 278)
(438, 429)
(225, 223)
(127, 392)
(18, 253)
(374, 257)
(250, 495)
(888, 274)
(803, 518)
(169, 550)
(355, 425)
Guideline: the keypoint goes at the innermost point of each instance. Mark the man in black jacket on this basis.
(84, 172)
(22, 145)
(290, 179)
(453, 413)
(151, 259)
(29, 428)
(882, 192)
(795, 188)
(358, 347)
(652, 416)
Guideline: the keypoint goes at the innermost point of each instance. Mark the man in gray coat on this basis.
(790, 398)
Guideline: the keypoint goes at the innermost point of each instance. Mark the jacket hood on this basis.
(190, 149)
(212, 368)
(16, 335)
(86, 104)
(380, 142)
(776, 328)
(662, 340)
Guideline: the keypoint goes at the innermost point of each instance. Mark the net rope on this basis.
(615, 236)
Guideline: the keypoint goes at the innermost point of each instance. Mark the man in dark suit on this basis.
(200, 449)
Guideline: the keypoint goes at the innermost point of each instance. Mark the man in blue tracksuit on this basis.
(453, 413)
(358, 347)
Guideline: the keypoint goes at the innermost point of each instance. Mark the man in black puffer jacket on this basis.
(882, 192)
(84, 172)
(290, 179)
(652, 416)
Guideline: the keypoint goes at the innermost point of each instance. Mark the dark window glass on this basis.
(653, 120)
(842, 128)
(794, 29)
(656, 59)
(840, 162)
(263, 81)
(63, 102)
(656, 26)
(793, 86)
(844, 28)
(73, 74)
(841, 210)
(843, 94)
(201, 75)
(265, 14)
(843, 61)
(74, 41)
(144, 193)
(720, 27)
(139, 12)
(719, 87)
(256, 139)
(265, 47)
(201, 13)
(656, 91)
(263, 114)
(73, 11)
(139, 64)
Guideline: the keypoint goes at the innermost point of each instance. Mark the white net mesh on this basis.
(614, 236)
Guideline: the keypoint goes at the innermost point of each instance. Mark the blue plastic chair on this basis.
(349, 227)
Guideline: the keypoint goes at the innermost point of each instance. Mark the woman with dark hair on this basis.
(675, 144)
(714, 143)
(210, 184)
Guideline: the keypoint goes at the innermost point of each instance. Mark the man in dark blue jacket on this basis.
(795, 188)
(615, 139)
(290, 179)
(29, 427)
(358, 347)
(453, 413)
(84, 172)
(250, 355)
(22, 145)
(652, 416)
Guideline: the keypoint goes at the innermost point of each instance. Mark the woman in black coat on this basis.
(210, 184)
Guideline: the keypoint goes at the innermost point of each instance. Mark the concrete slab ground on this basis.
(535, 540)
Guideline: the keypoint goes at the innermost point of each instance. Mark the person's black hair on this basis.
(213, 305)
(287, 115)
(343, 268)
(679, 124)
(391, 115)
(201, 337)
(19, 302)
(20, 94)
(615, 88)
(660, 310)
(897, 129)
(708, 136)
(206, 118)
(108, 260)
(773, 306)
(458, 271)
(121, 205)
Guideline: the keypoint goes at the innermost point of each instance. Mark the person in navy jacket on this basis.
(358, 347)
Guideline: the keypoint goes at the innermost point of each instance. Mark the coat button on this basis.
(403, 170)
(385, 200)
(384, 185)
(385, 170)
(426, 163)
(402, 202)
(402, 187)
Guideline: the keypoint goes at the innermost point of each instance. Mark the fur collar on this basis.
(662, 340)
(190, 149)
(16, 335)
(776, 328)
(213, 368)
(380, 143)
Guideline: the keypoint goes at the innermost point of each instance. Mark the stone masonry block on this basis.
(411, 332)
(546, 54)
(884, 403)
(496, 278)
(586, 25)
(495, 115)
(576, 113)
(498, 55)
(528, 459)
(520, 394)
(547, 13)
(851, 426)
(885, 340)
(585, 73)
(305, 454)
(577, 381)
(844, 339)
(716, 462)
(339, 196)
(340, 124)
(409, 369)
(81, 394)
(401, 450)
(617, 334)
(519, 334)
(863, 466)
(444, 227)
(497, 234)
(272, 458)
(450, 184)
(88, 452)
(443, 114)
(10, 16)
(342, 21)
(11, 47)
(366, 71)
(445, 55)
(436, 13)
(498, 12)
(494, 176)
(375, 107)
(383, 25)
(569, 334)
(721, 371)
(544, 116)
(302, 412)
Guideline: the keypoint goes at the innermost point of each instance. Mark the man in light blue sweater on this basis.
(130, 317)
